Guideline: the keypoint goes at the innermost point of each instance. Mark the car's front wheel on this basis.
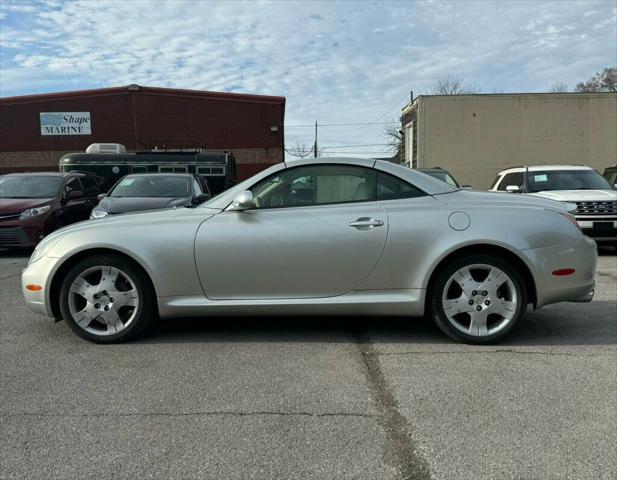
(106, 299)
(478, 299)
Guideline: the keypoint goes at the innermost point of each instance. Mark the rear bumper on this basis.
(585, 298)
(581, 256)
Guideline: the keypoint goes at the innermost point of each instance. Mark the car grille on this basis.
(13, 236)
(9, 216)
(596, 208)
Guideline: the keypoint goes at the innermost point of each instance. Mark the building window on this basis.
(219, 171)
(411, 150)
(173, 169)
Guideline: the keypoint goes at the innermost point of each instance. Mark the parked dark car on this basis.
(152, 191)
(610, 173)
(32, 205)
(443, 175)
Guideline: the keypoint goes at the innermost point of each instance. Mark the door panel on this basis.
(299, 252)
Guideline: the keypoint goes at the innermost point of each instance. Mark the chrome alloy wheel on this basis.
(479, 300)
(103, 300)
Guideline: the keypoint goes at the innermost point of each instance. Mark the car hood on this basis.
(136, 204)
(471, 198)
(578, 195)
(18, 205)
(162, 217)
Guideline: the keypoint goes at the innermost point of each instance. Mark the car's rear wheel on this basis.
(478, 299)
(106, 299)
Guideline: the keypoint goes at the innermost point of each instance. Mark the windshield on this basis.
(566, 180)
(29, 186)
(152, 186)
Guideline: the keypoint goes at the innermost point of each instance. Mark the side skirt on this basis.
(409, 302)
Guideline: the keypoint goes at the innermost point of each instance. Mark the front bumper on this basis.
(39, 272)
(17, 236)
(581, 256)
(28, 232)
(599, 228)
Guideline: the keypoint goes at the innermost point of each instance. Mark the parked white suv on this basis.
(595, 198)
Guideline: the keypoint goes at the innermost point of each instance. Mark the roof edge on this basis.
(143, 89)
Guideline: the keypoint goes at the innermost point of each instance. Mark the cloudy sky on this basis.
(336, 62)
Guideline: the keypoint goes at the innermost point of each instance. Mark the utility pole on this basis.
(315, 145)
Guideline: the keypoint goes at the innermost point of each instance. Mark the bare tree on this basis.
(452, 86)
(394, 138)
(604, 81)
(559, 87)
(300, 150)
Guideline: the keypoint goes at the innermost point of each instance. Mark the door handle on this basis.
(366, 222)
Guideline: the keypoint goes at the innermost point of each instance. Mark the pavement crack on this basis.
(187, 414)
(518, 352)
(606, 274)
(10, 276)
(400, 450)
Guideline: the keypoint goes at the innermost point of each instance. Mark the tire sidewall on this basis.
(437, 311)
(144, 310)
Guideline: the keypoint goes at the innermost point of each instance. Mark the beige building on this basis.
(476, 136)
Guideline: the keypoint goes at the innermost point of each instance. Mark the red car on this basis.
(32, 205)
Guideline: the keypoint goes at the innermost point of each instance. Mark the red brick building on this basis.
(36, 130)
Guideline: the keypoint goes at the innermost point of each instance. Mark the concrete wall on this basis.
(476, 136)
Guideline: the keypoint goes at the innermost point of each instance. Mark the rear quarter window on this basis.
(390, 187)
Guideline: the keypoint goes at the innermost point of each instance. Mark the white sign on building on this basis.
(65, 123)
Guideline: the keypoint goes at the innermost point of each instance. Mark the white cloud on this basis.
(335, 62)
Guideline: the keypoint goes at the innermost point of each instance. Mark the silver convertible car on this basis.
(324, 236)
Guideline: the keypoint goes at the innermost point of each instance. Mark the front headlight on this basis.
(33, 212)
(43, 246)
(38, 253)
(98, 214)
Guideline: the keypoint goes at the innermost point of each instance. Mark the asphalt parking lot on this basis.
(301, 398)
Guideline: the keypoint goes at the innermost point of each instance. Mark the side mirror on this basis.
(513, 189)
(101, 196)
(242, 201)
(466, 187)
(74, 195)
(201, 198)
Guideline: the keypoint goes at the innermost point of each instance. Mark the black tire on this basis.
(443, 276)
(144, 313)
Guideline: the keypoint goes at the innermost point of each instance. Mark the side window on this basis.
(72, 184)
(90, 185)
(204, 185)
(139, 169)
(316, 185)
(390, 187)
(196, 187)
(103, 185)
(515, 178)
